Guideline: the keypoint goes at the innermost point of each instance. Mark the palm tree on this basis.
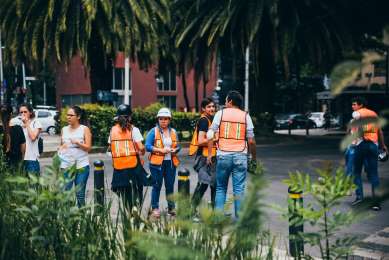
(272, 29)
(53, 30)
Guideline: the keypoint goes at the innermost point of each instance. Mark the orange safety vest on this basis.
(232, 130)
(370, 130)
(156, 158)
(123, 150)
(193, 147)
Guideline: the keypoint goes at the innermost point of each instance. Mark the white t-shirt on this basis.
(73, 154)
(32, 149)
(215, 128)
(167, 142)
(136, 135)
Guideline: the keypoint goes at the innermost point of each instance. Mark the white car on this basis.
(47, 119)
(318, 118)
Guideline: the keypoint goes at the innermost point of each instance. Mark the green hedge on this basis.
(101, 121)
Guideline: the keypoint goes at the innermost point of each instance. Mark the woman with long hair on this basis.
(31, 130)
(162, 143)
(14, 142)
(126, 147)
(76, 142)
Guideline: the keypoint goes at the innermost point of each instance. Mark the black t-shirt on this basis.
(14, 156)
(202, 125)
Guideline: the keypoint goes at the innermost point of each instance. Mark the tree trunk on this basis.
(204, 88)
(184, 88)
(196, 92)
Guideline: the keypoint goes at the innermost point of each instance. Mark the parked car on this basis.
(48, 118)
(318, 118)
(299, 121)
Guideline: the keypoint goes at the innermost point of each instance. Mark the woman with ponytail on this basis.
(76, 142)
(126, 147)
(13, 142)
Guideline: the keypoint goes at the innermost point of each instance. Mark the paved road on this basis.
(279, 160)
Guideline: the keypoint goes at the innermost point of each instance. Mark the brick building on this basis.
(74, 87)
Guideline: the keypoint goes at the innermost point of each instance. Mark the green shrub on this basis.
(101, 120)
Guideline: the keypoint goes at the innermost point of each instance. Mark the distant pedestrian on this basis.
(199, 147)
(162, 143)
(126, 147)
(367, 149)
(235, 131)
(14, 141)
(76, 142)
(31, 129)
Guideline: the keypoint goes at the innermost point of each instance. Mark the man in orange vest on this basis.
(367, 149)
(235, 133)
(199, 148)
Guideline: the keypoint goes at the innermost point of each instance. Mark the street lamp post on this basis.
(1, 72)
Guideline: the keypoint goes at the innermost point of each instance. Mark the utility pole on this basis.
(1, 72)
(246, 80)
(126, 81)
(387, 73)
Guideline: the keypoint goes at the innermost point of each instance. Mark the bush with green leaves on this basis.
(101, 118)
(322, 198)
(39, 220)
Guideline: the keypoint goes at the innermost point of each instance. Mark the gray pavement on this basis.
(280, 159)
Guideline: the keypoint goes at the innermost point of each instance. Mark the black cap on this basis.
(124, 110)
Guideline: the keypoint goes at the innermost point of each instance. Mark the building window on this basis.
(70, 100)
(118, 78)
(166, 81)
(168, 101)
(380, 69)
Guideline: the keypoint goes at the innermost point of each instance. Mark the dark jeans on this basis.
(198, 194)
(132, 193)
(166, 172)
(31, 166)
(367, 152)
(79, 181)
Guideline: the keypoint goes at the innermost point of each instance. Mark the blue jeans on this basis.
(231, 164)
(365, 153)
(166, 172)
(349, 157)
(31, 166)
(80, 182)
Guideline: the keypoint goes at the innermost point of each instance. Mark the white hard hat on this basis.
(164, 112)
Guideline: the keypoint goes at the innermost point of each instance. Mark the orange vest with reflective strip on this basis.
(370, 130)
(157, 158)
(124, 155)
(232, 130)
(193, 147)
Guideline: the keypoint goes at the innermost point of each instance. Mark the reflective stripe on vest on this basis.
(122, 149)
(156, 158)
(193, 147)
(370, 130)
(232, 130)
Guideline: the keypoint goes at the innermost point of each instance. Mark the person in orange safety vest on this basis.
(126, 147)
(162, 143)
(199, 148)
(366, 149)
(235, 139)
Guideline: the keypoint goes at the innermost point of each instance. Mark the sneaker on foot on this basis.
(376, 207)
(356, 201)
(156, 213)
